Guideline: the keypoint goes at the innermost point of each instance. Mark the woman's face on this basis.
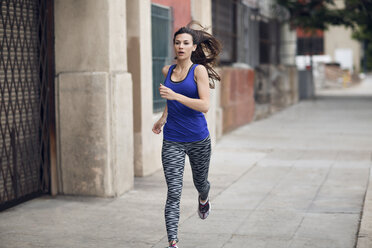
(183, 46)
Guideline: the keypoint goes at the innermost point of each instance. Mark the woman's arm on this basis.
(164, 115)
(201, 104)
(160, 123)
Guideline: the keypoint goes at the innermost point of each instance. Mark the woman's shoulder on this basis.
(165, 70)
(200, 69)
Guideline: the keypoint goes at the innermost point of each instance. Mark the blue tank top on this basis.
(183, 123)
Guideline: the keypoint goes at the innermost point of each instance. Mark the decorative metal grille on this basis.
(161, 31)
(25, 79)
(224, 19)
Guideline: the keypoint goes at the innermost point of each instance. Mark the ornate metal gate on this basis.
(26, 99)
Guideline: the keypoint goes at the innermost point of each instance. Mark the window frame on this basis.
(158, 62)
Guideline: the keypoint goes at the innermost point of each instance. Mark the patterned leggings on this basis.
(173, 158)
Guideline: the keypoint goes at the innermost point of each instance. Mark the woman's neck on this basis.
(184, 64)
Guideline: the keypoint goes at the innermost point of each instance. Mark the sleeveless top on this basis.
(183, 123)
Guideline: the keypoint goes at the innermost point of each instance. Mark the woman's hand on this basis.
(158, 125)
(167, 93)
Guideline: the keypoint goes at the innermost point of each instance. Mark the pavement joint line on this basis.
(234, 182)
(312, 201)
(362, 211)
(218, 194)
(320, 186)
(259, 236)
(327, 212)
(331, 219)
(262, 200)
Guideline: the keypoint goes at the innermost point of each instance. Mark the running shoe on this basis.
(204, 209)
(173, 245)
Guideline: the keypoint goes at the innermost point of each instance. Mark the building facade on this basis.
(258, 70)
(79, 81)
(77, 104)
(341, 47)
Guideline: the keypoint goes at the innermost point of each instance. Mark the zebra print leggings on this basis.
(173, 158)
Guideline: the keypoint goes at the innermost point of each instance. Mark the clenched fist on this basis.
(167, 93)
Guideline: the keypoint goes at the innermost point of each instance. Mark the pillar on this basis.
(93, 98)
(147, 145)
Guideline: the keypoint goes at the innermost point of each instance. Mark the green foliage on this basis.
(368, 51)
(358, 15)
(312, 15)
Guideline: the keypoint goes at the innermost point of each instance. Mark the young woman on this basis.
(186, 88)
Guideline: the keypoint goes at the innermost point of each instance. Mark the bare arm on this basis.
(163, 117)
(164, 70)
(160, 123)
(201, 104)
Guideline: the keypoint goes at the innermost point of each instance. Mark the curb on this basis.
(364, 238)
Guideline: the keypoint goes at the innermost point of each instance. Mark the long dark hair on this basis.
(207, 50)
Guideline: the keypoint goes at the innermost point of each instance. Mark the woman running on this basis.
(186, 88)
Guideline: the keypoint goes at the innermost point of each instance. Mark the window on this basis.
(269, 42)
(248, 30)
(236, 25)
(246, 36)
(310, 45)
(224, 27)
(161, 28)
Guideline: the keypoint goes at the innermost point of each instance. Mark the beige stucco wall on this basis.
(93, 98)
(288, 46)
(147, 145)
(340, 37)
(201, 11)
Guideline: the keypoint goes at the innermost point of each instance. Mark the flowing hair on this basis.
(207, 50)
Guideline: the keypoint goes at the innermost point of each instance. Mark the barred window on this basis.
(310, 45)
(161, 28)
(224, 27)
(269, 42)
(236, 25)
(248, 31)
(245, 36)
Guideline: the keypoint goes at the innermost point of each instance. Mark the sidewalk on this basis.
(297, 179)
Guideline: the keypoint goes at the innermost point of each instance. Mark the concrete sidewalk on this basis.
(297, 179)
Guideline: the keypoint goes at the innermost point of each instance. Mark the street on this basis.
(296, 179)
